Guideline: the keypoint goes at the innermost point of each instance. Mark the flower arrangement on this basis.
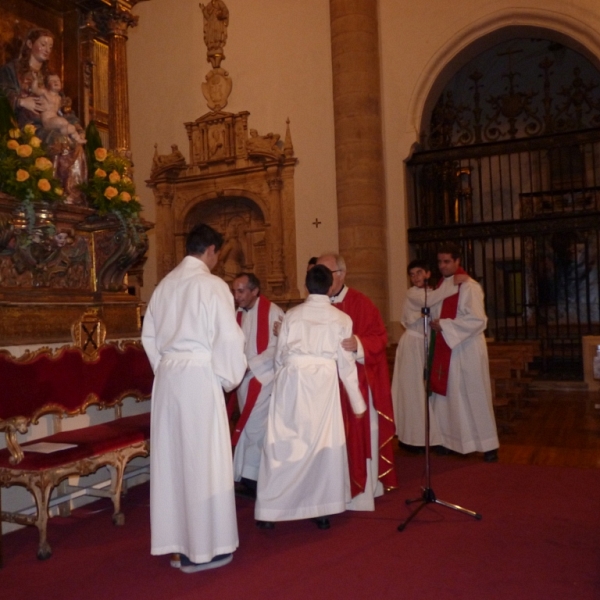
(25, 171)
(110, 188)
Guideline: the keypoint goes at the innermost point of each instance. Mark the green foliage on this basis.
(25, 171)
(110, 188)
(93, 142)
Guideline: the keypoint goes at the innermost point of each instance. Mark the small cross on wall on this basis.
(316, 222)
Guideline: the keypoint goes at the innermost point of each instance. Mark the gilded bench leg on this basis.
(117, 470)
(41, 488)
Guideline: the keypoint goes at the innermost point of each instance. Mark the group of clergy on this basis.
(305, 445)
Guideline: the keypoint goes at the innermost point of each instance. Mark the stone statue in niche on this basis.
(217, 89)
(215, 142)
(216, 20)
(263, 144)
(164, 162)
(232, 257)
(17, 79)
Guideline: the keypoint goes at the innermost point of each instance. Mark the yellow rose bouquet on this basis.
(110, 188)
(25, 171)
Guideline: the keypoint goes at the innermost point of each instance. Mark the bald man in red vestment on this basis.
(369, 440)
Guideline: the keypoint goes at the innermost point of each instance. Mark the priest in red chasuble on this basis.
(461, 400)
(369, 440)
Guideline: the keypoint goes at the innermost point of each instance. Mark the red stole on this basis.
(262, 341)
(442, 353)
(368, 326)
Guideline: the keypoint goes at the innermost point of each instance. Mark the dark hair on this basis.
(418, 263)
(318, 280)
(312, 260)
(200, 238)
(253, 280)
(23, 60)
(450, 248)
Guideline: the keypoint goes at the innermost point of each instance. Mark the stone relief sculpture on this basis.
(217, 89)
(263, 144)
(164, 162)
(233, 258)
(216, 20)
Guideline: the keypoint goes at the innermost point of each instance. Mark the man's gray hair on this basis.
(339, 260)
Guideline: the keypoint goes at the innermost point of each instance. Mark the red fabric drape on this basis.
(442, 353)
(254, 387)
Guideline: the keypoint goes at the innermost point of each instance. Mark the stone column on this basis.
(359, 147)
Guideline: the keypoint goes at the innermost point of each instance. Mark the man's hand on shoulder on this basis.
(460, 278)
(350, 344)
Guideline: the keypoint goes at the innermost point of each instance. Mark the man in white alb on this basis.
(257, 317)
(461, 400)
(196, 349)
(408, 391)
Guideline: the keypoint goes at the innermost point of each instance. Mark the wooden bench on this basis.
(520, 354)
(501, 383)
(66, 383)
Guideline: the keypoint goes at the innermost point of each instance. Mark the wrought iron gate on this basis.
(527, 215)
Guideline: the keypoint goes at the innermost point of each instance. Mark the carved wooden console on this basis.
(61, 262)
(242, 184)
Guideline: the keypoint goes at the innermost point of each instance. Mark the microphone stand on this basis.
(427, 494)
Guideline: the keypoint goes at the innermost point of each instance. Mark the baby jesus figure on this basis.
(50, 117)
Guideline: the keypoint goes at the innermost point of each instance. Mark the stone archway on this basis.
(507, 167)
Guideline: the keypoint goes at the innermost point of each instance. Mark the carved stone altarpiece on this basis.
(243, 186)
(239, 182)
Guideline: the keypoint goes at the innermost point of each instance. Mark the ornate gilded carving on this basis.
(89, 333)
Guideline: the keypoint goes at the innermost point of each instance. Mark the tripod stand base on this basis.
(428, 497)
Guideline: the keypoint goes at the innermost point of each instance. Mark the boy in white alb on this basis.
(304, 466)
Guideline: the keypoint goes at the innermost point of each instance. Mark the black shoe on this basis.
(322, 522)
(490, 456)
(246, 488)
(442, 451)
(250, 484)
(412, 449)
(265, 524)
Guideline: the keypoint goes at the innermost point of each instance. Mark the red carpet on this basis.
(538, 539)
